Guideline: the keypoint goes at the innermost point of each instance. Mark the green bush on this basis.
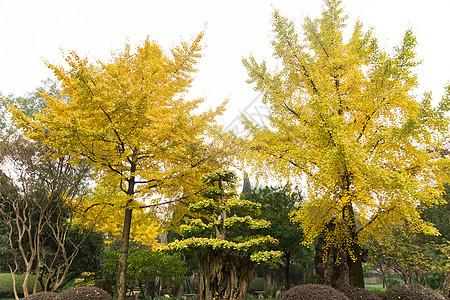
(411, 292)
(313, 292)
(435, 280)
(6, 285)
(354, 293)
(257, 284)
(84, 293)
(378, 292)
(42, 296)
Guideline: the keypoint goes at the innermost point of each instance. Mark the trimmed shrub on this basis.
(312, 291)
(411, 292)
(84, 293)
(355, 293)
(257, 284)
(42, 296)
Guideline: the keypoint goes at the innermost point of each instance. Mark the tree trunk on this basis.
(445, 288)
(25, 283)
(324, 263)
(347, 272)
(355, 267)
(286, 272)
(123, 258)
(354, 259)
(223, 277)
(151, 288)
(207, 275)
(245, 272)
(13, 275)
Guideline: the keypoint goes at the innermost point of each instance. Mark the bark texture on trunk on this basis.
(223, 276)
(335, 267)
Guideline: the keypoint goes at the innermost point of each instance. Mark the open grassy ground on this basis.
(374, 286)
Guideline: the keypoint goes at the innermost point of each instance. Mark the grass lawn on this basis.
(377, 286)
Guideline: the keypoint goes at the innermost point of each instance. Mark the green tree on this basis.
(30, 104)
(439, 216)
(220, 236)
(344, 116)
(277, 206)
(130, 119)
(247, 188)
(147, 267)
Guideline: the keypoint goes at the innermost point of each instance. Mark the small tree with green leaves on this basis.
(146, 268)
(277, 206)
(221, 235)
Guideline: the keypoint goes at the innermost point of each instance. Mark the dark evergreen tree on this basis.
(247, 188)
(277, 204)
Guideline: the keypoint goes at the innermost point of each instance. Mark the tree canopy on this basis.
(344, 116)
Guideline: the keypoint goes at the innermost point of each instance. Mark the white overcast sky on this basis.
(34, 30)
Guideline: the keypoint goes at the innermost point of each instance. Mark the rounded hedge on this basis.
(257, 284)
(84, 293)
(313, 292)
(42, 296)
(355, 293)
(411, 292)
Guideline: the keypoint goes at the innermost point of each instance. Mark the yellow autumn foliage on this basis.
(345, 117)
(130, 118)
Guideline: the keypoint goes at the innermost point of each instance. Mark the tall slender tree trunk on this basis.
(123, 258)
(286, 272)
(13, 275)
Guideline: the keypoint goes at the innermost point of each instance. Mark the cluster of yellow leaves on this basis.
(104, 210)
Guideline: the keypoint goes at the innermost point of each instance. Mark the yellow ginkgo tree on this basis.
(129, 117)
(344, 117)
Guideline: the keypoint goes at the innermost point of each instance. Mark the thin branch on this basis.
(97, 204)
(291, 110)
(317, 37)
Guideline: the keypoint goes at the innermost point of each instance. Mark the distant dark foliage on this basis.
(411, 292)
(313, 292)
